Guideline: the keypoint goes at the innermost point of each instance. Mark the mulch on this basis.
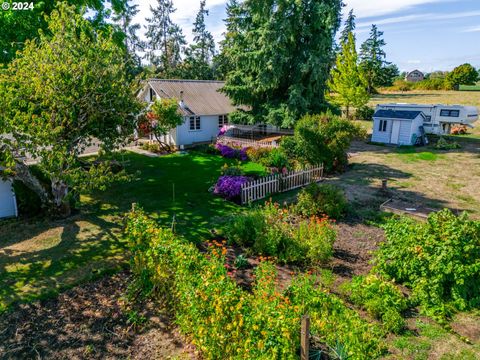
(90, 322)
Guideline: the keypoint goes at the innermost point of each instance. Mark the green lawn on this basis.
(39, 258)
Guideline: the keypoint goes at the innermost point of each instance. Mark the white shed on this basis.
(8, 202)
(397, 127)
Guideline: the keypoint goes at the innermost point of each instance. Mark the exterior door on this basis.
(7, 201)
(395, 132)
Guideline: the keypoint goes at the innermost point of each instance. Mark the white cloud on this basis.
(370, 8)
(473, 29)
(422, 17)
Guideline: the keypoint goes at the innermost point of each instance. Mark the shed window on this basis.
(222, 120)
(382, 126)
(194, 122)
(450, 113)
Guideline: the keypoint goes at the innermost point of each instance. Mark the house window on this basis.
(382, 126)
(450, 113)
(194, 122)
(222, 120)
(152, 94)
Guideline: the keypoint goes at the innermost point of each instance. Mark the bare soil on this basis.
(90, 322)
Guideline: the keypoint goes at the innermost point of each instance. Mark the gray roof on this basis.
(393, 114)
(201, 97)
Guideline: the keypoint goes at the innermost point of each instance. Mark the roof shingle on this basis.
(393, 114)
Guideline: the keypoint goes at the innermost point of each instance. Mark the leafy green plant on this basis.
(437, 259)
(232, 170)
(276, 158)
(256, 154)
(324, 199)
(318, 236)
(241, 262)
(246, 228)
(444, 144)
(135, 319)
(382, 299)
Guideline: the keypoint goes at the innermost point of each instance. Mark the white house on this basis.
(397, 127)
(204, 108)
(8, 203)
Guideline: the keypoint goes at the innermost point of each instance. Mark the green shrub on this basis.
(276, 158)
(364, 113)
(323, 139)
(381, 298)
(232, 170)
(273, 231)
(225, 322)
(438, 260)
(256, 154)
(444, 144)
(324, 199)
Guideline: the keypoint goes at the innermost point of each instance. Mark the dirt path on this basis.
(89, 322)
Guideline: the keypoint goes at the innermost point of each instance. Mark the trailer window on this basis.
(450, 113)
(428, 118)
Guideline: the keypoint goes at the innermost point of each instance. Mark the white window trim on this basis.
(224, 120)
(195, 123)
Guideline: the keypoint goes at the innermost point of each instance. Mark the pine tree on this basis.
(132, 43)
(164, 36)
(199, 55)
(372, 58)
(347, 80)
(281, 57)
(349, 27)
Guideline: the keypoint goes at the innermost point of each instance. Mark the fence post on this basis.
(305, 338)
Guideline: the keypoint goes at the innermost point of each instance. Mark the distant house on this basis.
(397, 127)
(414, 76)
(8, 203)
(204, 108)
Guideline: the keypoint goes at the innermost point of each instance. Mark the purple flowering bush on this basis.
(230, 187)
(232, 153)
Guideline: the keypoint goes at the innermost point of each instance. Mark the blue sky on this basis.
(420, 34)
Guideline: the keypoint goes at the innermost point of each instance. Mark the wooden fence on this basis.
(227, 140)
(272, 184)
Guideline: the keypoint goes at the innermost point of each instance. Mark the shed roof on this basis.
(394, 114)
(201, 97)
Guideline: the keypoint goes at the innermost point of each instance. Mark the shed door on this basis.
(7, 202)
(395, 132)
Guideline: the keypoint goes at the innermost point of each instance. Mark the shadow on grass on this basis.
(40, 258)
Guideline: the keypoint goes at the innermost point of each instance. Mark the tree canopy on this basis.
(280, 64)
(347, 81)
(464, 74)
(60, 93)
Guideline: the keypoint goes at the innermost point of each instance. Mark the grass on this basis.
(40, 258)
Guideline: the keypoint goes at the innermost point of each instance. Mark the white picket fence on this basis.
(272, 184)
(239, 142)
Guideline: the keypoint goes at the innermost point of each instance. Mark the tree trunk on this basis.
(60, 193)
(23, 174)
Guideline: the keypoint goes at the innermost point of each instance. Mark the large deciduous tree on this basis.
(59, 94)
(281, 54)
(464, 74)
(347, 81)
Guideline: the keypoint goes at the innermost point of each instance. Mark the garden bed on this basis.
(90, 322)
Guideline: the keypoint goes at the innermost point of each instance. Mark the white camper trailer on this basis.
(438, 119)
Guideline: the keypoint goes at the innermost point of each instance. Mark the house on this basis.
(414, 76)
(402, 127)
(8, 203)
(204, 108)
(438, 119)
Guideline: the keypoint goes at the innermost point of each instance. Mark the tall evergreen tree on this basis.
(199, 55)
(372, 58)
(131, 41)
(282, 57)
(349, 27)
(347, 81)
(165, 40)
